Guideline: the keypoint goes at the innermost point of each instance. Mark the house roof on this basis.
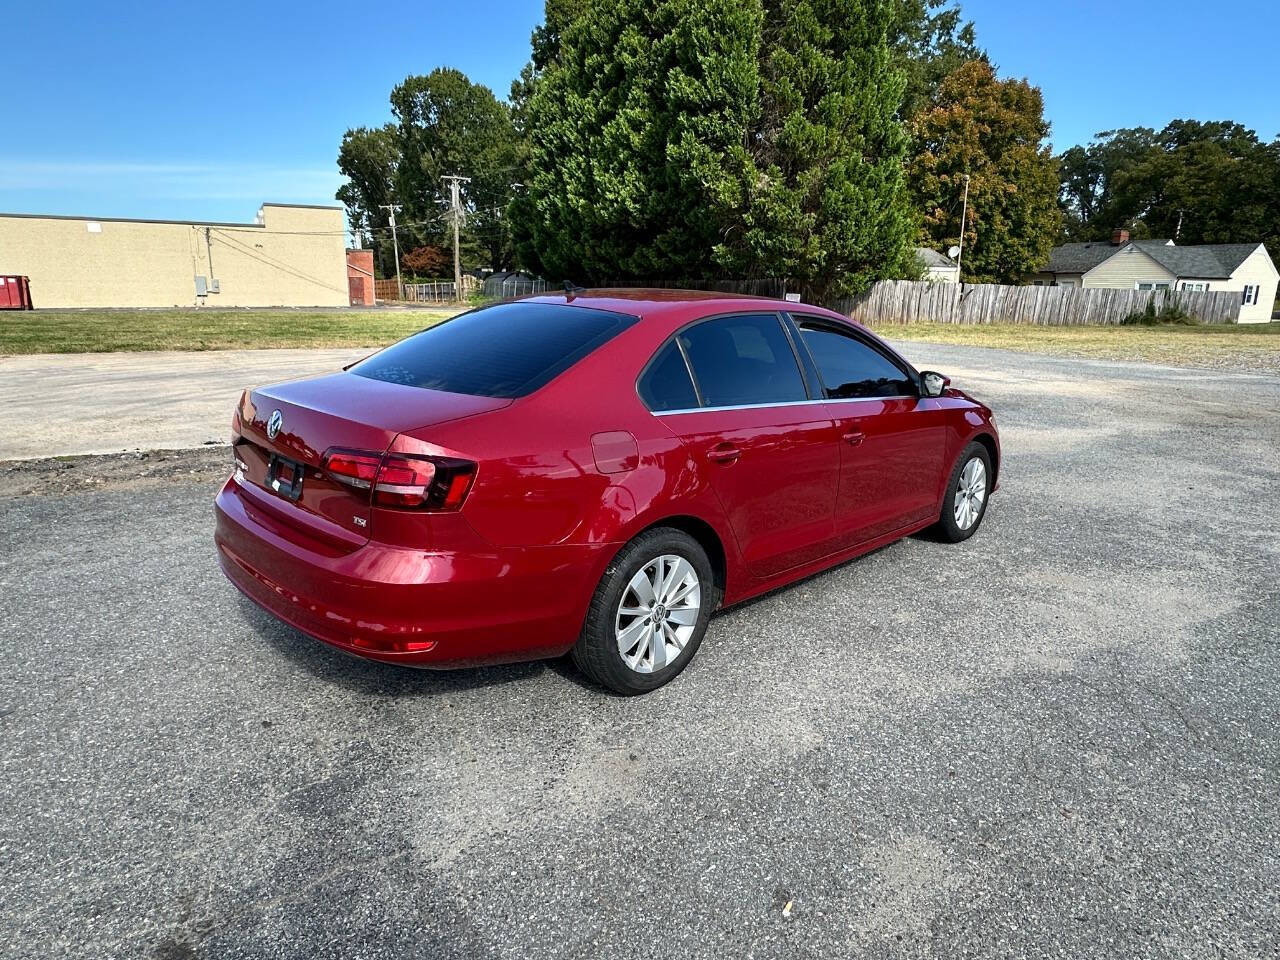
(932, 258)
(1210, 261)
(1079, 257)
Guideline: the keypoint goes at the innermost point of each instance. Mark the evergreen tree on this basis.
(827, 206)
(637, 123)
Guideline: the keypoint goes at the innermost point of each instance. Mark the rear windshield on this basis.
(507, 350)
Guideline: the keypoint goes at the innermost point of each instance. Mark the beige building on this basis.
(937, 267)
(1243, 268)
(289, 256)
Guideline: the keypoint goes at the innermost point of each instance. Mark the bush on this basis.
(1171, 312)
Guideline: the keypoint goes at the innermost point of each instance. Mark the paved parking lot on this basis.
(1058, 739)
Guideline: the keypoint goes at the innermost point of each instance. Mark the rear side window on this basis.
(666, 384)
(507, 350)
(850, 369)
(739, 361)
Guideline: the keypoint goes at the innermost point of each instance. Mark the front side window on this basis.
(851, 369)
(743, 361)
(666, 384)
(507, 350)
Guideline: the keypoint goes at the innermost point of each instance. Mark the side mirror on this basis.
(932, 384)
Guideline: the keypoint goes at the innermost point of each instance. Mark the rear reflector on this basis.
(402, 480)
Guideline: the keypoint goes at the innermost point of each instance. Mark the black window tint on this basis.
(666, 384)
(506, 350)
(850, 368)
(743, 360)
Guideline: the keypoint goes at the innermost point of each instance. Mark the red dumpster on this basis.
(15, 294)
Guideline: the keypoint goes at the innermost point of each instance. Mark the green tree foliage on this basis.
(826, 205)
(930, 41)
(449, 125)
(368, 159)
(698, 138)
(1192, 181)
(637, 125)
(444, 124)
(993, 130)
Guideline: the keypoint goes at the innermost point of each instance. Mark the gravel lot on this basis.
(1058, 739)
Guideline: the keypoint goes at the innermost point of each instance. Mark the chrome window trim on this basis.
(788, 403)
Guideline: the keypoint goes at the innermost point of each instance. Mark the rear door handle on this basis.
(854, 437)
(724, 453)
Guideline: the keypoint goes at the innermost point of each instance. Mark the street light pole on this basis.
(964, 212)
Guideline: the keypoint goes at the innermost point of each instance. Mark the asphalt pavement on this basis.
(1058, 739)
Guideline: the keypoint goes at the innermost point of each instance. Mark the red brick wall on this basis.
(360, 268)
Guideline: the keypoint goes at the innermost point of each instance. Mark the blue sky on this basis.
(202, 111)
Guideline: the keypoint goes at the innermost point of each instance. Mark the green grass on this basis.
(97, 331)
(1248, 346)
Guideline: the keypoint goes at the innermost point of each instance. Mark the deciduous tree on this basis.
(1194, 182)
(994, 131)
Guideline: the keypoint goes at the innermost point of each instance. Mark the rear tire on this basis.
(649, 613)
(968, 492)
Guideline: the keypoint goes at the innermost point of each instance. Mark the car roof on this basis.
(655, 301)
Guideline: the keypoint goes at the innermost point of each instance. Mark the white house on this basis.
(937, 267)
(1163, 265)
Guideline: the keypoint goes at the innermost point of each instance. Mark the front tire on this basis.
(968, 491)
(649, 613)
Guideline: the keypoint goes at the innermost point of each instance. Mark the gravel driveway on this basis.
(1058, 739)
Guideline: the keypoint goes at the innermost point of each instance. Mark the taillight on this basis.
(402, 480)
(352, 467)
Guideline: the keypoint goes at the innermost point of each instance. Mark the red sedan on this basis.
(594, 473)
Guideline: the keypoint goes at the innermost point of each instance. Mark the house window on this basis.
(1250, 295)
(1152, 286)
(1195, 286)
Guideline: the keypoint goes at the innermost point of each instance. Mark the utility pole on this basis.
(455, 204)
(391, 208)
(964, 213)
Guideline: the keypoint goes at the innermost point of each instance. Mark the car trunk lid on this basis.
(286, 429)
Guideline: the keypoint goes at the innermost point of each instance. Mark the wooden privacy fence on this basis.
(921, 301)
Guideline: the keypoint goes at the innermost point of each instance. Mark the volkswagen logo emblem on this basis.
(274, 424)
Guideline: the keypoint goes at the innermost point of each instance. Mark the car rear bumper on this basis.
(415, 607)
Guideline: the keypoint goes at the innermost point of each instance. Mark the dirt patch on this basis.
(23, 478)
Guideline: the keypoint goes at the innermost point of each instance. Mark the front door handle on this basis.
(854, 437)
(724, 453)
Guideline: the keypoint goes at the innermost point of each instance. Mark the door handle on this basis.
(724, 453)
(854, 437)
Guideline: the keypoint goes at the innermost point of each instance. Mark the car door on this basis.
(770, 450)
(893, 440)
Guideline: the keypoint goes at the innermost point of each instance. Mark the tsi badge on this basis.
(274, 424)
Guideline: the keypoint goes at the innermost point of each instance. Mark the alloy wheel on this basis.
(658, 613)
(971, 493)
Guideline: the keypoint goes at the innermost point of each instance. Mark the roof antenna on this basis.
(571, 289)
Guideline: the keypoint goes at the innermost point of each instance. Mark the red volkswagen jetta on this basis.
(594, 472)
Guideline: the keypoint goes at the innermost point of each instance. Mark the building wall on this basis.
(1257, 270)
(294, 257)
(1126, 269)
(942, 274)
